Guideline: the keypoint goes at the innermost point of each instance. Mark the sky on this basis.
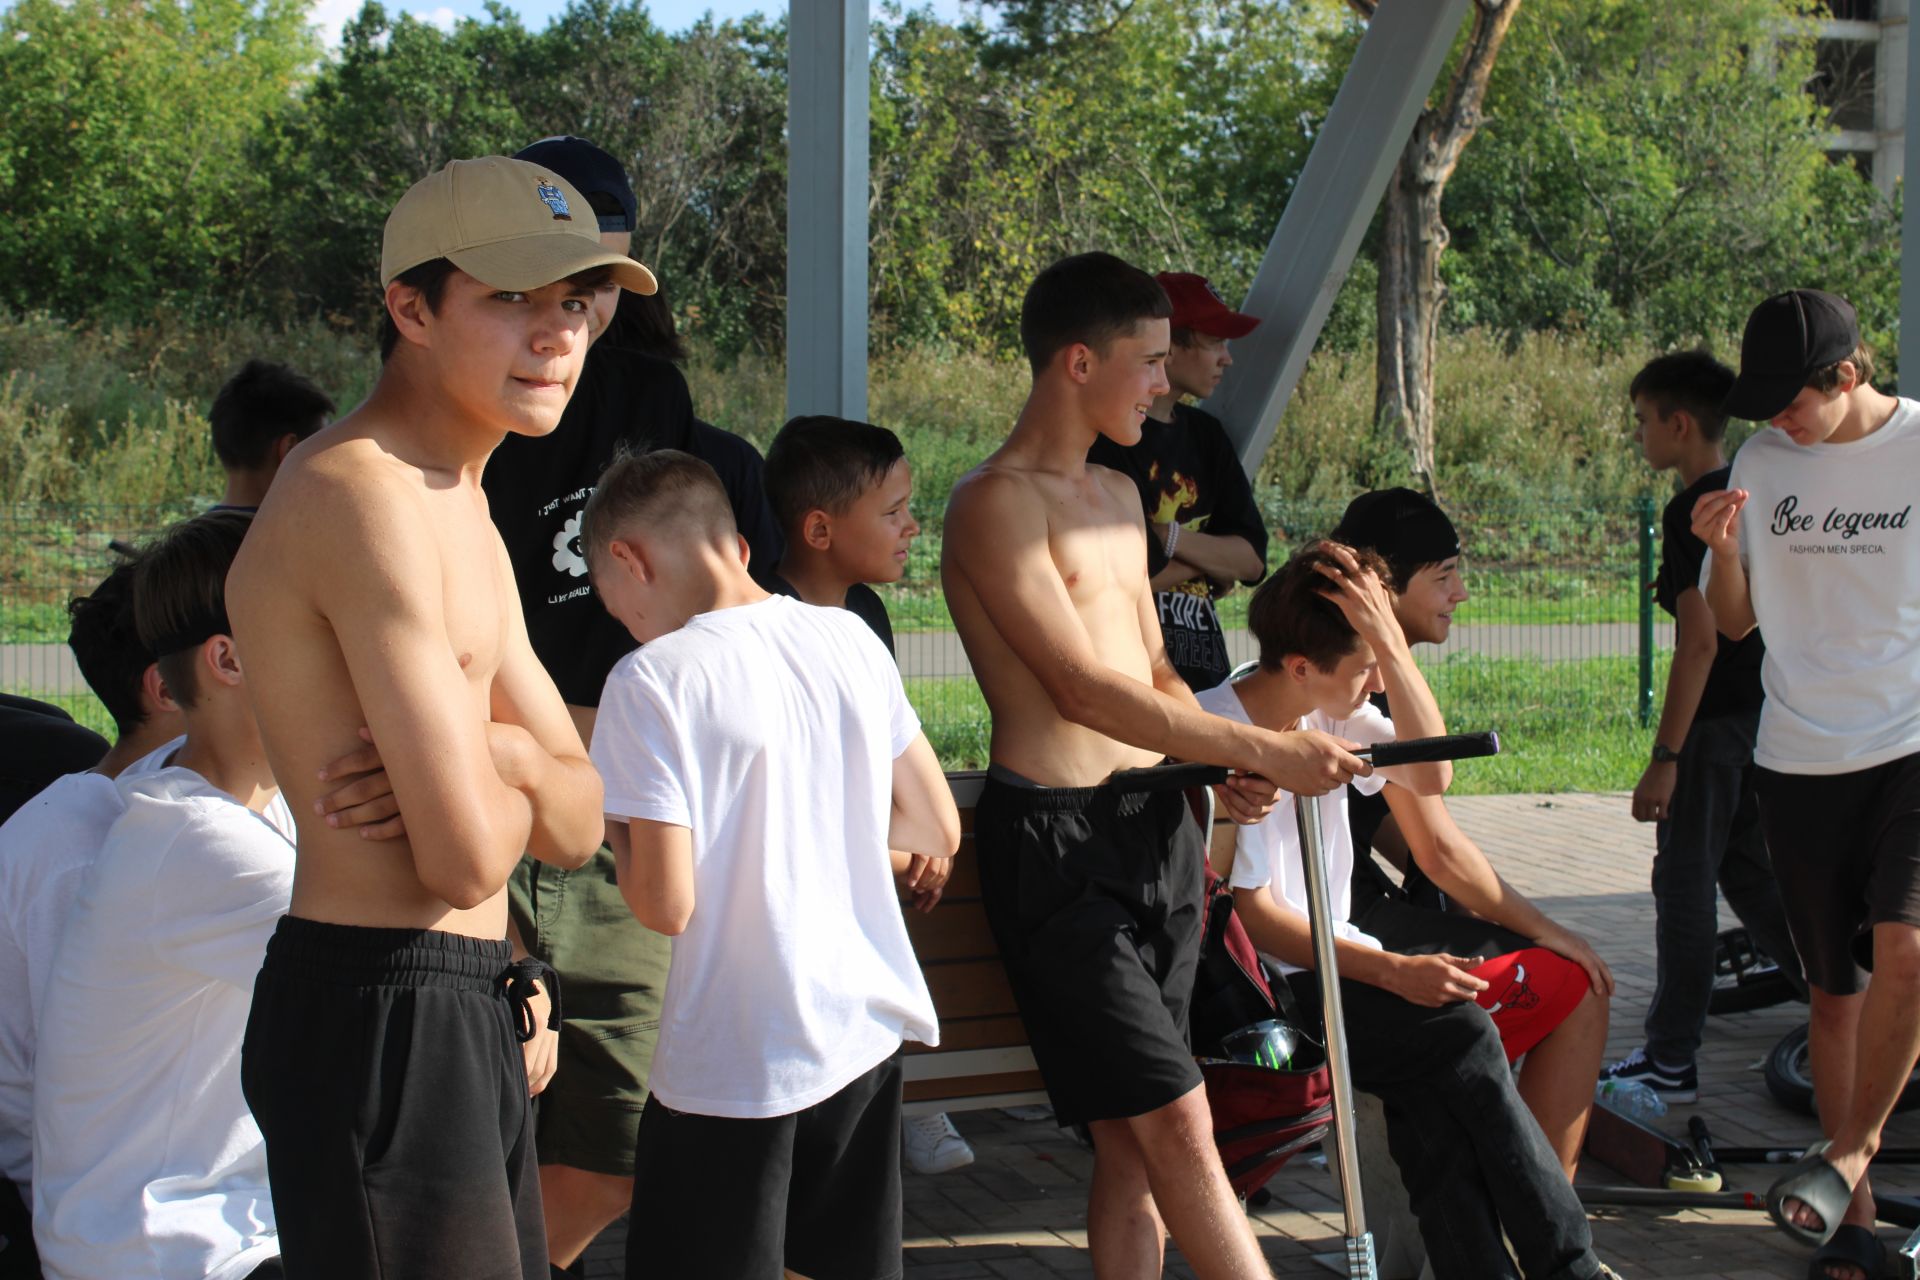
(672, 15)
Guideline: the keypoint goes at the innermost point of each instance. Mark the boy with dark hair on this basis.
(1814, 543)
(1092, 882)
(1698, 787)
(47, 846)
(261, 413)
(843, 494)
(761, 761)
(613, 970)
(1474, 1162)
(147, 1163)
(384, 1055)
(1204, 529)
(1442, 868)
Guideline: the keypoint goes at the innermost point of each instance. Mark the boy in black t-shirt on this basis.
(257, 417)
(842, 492)
(1698, 787)
(1204, 530)
(613, 970)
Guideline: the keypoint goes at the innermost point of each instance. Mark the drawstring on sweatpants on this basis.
(520, 978)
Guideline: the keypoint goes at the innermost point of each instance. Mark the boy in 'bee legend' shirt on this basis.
(760, 761)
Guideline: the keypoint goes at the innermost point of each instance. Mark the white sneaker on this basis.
(932, 1145)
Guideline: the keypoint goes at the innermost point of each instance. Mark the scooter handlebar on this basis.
(1452, 746)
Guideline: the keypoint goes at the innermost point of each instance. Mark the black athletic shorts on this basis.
(817, 1191)
(1093, 895)
(385, 1071)
(1846, 853)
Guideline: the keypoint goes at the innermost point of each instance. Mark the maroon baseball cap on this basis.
(1198, 306)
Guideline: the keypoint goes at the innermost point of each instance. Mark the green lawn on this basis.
(1564, 726)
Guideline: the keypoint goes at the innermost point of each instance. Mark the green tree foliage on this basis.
(1649, 170)
(123, 170)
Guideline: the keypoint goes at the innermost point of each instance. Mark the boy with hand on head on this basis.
(1443, 869)
(384, 1055)
(261, 413)
(1814, 543)
(47, 846)
(843, 494)
(761, 760)
(1204, 530)
(1092, 882)
(1698, 787)
(147, 1163)
(1474, 1161)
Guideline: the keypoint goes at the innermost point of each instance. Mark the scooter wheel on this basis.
(1692, 1180)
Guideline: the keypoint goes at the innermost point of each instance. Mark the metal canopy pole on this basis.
(827, 208)
(1360, 1260)
(1345, 175)
(1910, 219)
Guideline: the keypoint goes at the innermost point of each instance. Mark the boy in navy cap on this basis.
(1814, 542)
(1204, 531)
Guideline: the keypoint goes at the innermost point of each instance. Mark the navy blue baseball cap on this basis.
(592, 172)
(1789, 338)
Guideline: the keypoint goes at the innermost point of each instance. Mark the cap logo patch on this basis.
(555, 200)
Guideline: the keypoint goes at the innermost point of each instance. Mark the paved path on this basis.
(1018, 1213)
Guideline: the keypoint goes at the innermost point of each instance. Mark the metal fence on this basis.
(1559, 639)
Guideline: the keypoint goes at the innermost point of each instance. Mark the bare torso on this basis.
(1096, 546)
(297, 672)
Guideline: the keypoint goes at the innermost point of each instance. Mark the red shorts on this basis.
(1529, 993)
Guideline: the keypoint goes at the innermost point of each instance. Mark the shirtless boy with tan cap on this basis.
(1092, 884)
(382, 1058)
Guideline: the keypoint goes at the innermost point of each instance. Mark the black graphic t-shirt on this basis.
(1187, 471)
(537, 488)
(863, 602)
(1733, 685)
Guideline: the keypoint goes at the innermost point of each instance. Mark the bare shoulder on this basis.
(1117, 483)
(345, 507)
(993, 491)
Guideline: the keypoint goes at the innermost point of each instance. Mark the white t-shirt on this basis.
(1831, 545)
(770, 730)
(147, 1163)
(45, 850)
(1267, 854)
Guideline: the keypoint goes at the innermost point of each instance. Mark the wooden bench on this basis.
(983, 1059)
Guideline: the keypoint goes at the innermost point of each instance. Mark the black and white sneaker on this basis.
(1673, 1084)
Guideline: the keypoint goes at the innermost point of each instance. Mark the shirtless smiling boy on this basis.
(1092, 884)
(382, 1057)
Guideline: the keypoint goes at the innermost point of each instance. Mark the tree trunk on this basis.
(1407, 304)
(1407, 310)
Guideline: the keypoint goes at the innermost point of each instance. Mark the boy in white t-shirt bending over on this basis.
(1475, 1162)
(147, 1164)
(1815, 542)
(760, 760)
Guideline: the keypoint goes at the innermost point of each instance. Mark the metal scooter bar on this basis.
(1361, 1264)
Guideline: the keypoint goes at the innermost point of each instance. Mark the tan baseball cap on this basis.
(507, 223)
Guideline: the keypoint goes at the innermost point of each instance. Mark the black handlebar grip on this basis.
(1453, 746)
(1167, 777)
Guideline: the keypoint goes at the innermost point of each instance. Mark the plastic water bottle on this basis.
(1630, 1098)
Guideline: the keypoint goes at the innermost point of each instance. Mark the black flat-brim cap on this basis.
(1789, 338)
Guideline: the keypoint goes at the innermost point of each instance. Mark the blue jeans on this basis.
(1711, 835)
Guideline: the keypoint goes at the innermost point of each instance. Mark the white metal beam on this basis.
(1910, 219)
(1345, 175)
(827, 208)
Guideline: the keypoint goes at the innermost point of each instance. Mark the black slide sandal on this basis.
(1818, 1185)
(1853, 1246)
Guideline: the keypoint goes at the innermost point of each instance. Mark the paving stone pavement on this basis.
(1018, 1213)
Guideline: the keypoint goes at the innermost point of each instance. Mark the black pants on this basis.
(1471, 1155)
(387, 1078)
(18, 1259)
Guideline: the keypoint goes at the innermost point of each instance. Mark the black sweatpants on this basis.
(385, 1072)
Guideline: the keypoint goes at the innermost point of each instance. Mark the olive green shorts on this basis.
(613, 974)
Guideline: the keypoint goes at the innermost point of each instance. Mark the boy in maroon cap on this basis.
(1813, 541)
(1204, 531)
